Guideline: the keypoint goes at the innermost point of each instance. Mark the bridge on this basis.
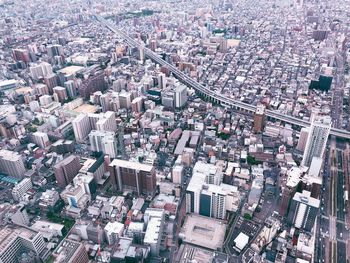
(212, 95)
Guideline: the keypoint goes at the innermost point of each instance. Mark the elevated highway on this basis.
(209, 94)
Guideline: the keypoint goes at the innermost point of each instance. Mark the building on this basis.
(54, 50)
(303, 210)
(41, 70)
(125, 100)
(180, 96)
(178, 174)
(21, 55)
(104, 141)
(259, 119)
(81, 127)
(18, 192)
(304, 133)
(208, 196)
(16, 241)
(129, 175)
(154, 220)
(317, 139)
(113, 230)
(70, 251)
(11, 164)
(60, 93)
(66, 170)
(41, 139)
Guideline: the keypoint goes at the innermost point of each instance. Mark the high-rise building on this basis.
(61, 93)
(51, 81)
(71, 88)
(303, 210)
(106, 122)
(15, 241)
(41, 89)
(304, 133)
(259, 118)
(137, 105)
(45, 100)
(21, 55)
(21, 188)
(162, 81)
(66, 170)
(41, 70)
(41, 139)
(11, 164)
(81, 127)
(180, 96)
(129, 175)
(317, 139)
(55, 50)
(95, 82)
(125, 100)
(70, 251)
(104, 141)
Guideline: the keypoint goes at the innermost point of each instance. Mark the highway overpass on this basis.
(212, 95)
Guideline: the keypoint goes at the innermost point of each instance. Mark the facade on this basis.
(11, 164)
(14, 241)
(304, 133)
(81, 127)
(104, 141)
(317, 139)
(303, 210)
(41, 139)
(66, 170)
(21, 188)
(129, 175)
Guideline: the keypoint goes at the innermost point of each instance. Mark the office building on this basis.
(11, 164)
(137, 105)
(303, 210)
(81, 127)
(317, 139)
(103, 141)
(129, 175)
(66, 170)
(259, 119)
(51, 81)
(70, 251)
(16, 241)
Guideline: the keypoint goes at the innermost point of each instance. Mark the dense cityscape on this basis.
(175, 131)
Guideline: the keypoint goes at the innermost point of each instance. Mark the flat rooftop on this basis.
(204, 231)
(71, 70)
(86, 108)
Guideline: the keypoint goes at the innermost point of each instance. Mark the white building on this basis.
(104, 141)
(113, 231)
(180, 96)
(81, 127)
(41, 139)
(18, 192)
(154, 219)
(317, 139)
